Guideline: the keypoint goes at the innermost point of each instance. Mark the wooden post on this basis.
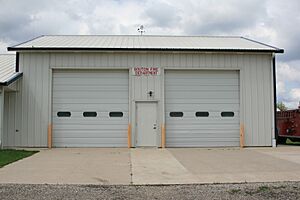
(129, 136)
(50, 136)
(163, 136)
(242, 136)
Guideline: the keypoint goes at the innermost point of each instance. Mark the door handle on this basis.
(154, 126)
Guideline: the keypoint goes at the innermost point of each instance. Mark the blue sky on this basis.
(275, 22)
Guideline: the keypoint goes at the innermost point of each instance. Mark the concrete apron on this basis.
(71, 166)
(158, 166)
(234, 165)
(113, 166)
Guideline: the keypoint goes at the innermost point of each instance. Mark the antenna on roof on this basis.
(141, 29)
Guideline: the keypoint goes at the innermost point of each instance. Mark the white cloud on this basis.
(3, 47)
(294, 98)
(288, 83)
(288, 72)
(295, 93)
(280, 88)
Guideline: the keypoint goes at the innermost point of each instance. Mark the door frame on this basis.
(134, 139)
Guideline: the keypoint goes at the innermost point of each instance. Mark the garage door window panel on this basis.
(227, 114)
(63, 114)
(116, 114)
(89, 114)
(202, 114)
(176, 114)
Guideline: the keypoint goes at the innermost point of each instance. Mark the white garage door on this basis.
(90, 108)
(202, 108)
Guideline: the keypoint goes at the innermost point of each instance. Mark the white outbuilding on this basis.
(8, 77)
(137, 91)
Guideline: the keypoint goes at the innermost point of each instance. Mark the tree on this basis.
(281, 106)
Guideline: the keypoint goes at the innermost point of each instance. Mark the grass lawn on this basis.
(11, 155)
(288, 141)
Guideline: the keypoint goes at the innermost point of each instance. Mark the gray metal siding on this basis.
(12, 117)
(1, 116)
(255, 86)
(9, 137)
(192, 91)
(7, 66)
(31, 103)
(97, 91)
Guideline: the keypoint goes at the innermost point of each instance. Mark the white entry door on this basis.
(147, 126)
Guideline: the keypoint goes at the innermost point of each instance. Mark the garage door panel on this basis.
(199, 127)
(101, 116)
(205, 107)
(98, 119)
(103, 109)
(195, 141)
(72, 75)
(197, 120)
(91, 134)
(91, 94)
(204, 143)
(72, 79)
(86, 100)
(230, 133)
(202, 91)
(90, 126)
(201, 82)
(201, 88)
(205, 95)
(97, 91)
(205, 74)
(94, 88)
(85, 142)
(202, 101)
(93, 74)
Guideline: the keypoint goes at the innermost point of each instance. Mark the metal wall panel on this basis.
(7, 66)
(2, 107)
(255, 86)
(192, 91)
(96, 91)
(12, 117)
(9, 119)
(31, 103)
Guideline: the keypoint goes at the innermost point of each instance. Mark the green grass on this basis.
(288, 141)
(8, 156)
(234, 191)
(263, 189)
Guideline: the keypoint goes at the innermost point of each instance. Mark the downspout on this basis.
(274, 134)
(1, 116)
(17, 62)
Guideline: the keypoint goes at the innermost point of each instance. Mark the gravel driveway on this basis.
(283, 190)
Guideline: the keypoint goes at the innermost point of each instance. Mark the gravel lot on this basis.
(284, 190)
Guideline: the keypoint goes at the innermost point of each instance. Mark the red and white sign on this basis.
(146, 71)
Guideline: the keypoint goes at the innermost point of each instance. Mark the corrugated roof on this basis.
(145, 42)
(8, 69)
